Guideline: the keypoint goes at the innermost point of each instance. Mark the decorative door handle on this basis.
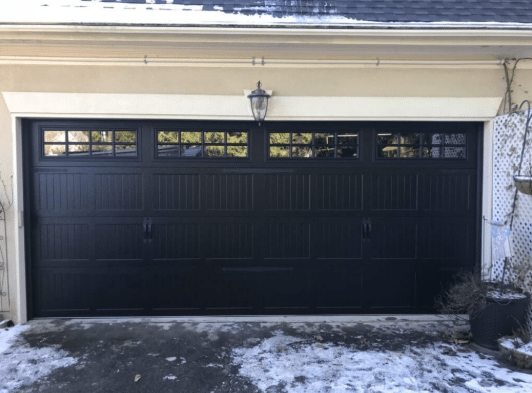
(368, 230)
(150, 233)
(147, 234)
(145, 230)
(364, 230)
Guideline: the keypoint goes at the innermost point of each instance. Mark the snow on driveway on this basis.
(21, 365)
(295, 365)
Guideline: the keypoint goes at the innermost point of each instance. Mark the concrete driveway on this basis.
(227, 354)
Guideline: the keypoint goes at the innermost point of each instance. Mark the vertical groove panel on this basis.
(394, 192)
(288, 192)
(176, 192)
(339, 192)
(111, 190)
(62, 241)
(288, 240)
(230, 241)
(230, 192)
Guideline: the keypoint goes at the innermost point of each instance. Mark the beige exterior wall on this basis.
(322, 80)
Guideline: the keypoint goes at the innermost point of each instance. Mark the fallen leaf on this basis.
(137, 377)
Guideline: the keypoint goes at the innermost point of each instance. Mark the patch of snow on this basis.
(303, 366)
(214, 365)
(22, 364)
(515, 343)
(171, 359)
(501, 295)
(7, 336)
(170, 377)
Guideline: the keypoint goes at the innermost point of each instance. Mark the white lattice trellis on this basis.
(507, 144)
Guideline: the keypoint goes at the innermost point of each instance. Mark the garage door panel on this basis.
(173, 191)
(338, 240)
(399, 192)
(339, 191)
(229, 192)
(119, 241)
(176, 241)
(231, 288)
(390, 287)
(287, 191)
(287, 240)
(287, 289)
(228, 240)
(177, 289)
(393, 239)
(61, 241)
(64, 291)
(118, 191)
(61, 192)
(120, 289)
(338, 285)
(448, 240)
(445, 193)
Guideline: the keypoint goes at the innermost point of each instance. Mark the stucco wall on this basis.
(325, 80)
(304, 80)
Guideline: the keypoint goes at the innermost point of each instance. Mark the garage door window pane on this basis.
(78, 136)
(454, 152)
(54, 136)
(214, 151)
(51, 150)
(102, 150)
(323, 138)
(237, 151)
(240, 138)
(348, 139)
(168, 137)
(191, 137)
(202, 144)
(102, 136)
(125, 137)
(302, 151)
(78, 149)
(126, 151)
(347, 152)
(280, 151)
(325, 151)
(214, 137)
(279, 138)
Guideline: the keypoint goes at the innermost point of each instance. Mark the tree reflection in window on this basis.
(307, 145)
(90, 143)
(421, 145)
(202, 144)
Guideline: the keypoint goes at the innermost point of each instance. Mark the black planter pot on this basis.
(499, 318)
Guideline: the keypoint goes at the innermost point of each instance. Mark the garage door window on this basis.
(313, 145)
(90, 144)
(202, 144)
(421, 145)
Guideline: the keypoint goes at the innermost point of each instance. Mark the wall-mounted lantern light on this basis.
(259, 103)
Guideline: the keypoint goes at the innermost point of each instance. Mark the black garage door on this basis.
(182, 218)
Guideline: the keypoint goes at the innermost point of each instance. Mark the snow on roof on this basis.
(316, 13)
